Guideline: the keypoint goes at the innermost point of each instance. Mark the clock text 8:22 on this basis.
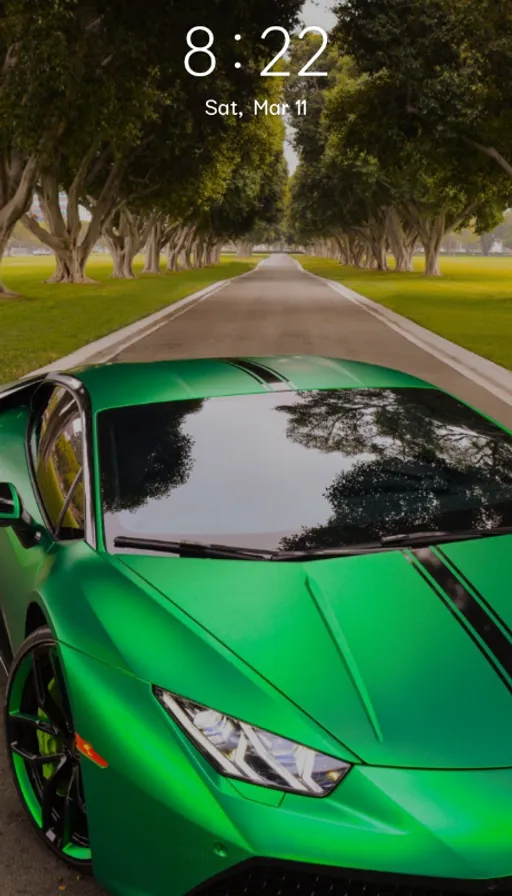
(205, 50)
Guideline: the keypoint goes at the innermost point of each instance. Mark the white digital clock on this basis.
(269, 71)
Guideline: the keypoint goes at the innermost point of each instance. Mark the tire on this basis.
(43, 758)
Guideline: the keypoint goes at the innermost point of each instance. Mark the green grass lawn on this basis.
(50, 321)
(471, 304)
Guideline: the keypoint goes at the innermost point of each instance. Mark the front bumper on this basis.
(164, 823)
(257, 877)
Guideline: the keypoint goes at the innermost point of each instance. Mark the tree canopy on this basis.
(399, 145)
(95, 100)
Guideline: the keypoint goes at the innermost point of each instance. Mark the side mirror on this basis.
(11, 508)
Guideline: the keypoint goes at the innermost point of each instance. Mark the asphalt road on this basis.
(280, 309)
(276, 309)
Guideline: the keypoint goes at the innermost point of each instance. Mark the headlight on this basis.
(242, 751)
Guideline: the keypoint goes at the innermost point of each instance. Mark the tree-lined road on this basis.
(275, 309)
(280, 309)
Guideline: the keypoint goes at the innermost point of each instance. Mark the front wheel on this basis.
(41, 745)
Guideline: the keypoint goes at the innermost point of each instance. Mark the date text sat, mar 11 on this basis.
(259, 107)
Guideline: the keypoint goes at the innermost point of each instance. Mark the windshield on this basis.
(302, 470)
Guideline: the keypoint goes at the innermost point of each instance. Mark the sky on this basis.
(318, 13)
(315, 12)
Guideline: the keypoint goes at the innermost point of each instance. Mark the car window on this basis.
(303, 470)
(57, 446)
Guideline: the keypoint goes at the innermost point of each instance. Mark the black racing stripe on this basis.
(465, 581)
(263, 373)
(456, 596)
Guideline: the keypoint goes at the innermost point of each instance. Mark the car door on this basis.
(55, 459)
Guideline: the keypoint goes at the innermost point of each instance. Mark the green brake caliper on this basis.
(49, 745)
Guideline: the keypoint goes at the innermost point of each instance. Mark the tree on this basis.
(106, 91)
(382, 178)
(431, 185)
(486, 242)
(125, 234)
(40, 70)
(124, 109)
(254, 194)
(452, 69)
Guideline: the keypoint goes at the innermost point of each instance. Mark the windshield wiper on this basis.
(388, 542)
(233, 552)
(325, 553)
(193, 549)
(184, 548)
(436, 537)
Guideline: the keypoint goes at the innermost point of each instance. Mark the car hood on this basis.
(394, 654)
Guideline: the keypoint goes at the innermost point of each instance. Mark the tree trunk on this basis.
(333, 249)
(187, 254)
(123, 263)
(5, 293)
(486, 242)
(161, 234)
(432, 268)
(131, 247)
(431, 242)
(173, 253)
(379, 252)
(125, 235)
(152, 263)
(71, 247)
(118, 256)
(374, 235)
(172, 259)
(402, 240)
(71, 269)
(244, 248)
(198, 253)
(129, 256)
(431, 230)
(409, 257)
(175, 249)
(359, 252)
(341, 250)
(117, 253)
(18, 177)
(352, 251)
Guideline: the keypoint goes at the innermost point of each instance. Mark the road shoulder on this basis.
(485, 373)
(103, 350)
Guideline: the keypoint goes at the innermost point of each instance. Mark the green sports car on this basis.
(257, 621)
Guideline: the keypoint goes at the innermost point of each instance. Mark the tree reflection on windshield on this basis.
(425, 464)
(146, 457)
